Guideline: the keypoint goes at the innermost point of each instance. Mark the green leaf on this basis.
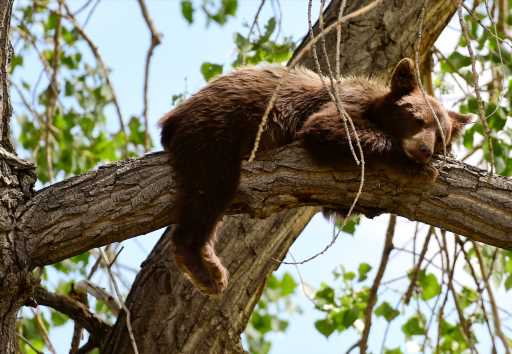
(325, 327)
(136, 131)
(414, 326)
(430, 286)
(242, 43)
(459, 60)
(58, 319)
(70, 37)
(16, 60)
(82, 259)
(86, 125)
(349, 276)
(508, 264)
(52, 21)
(325, 295)
(262, 323)
(270, 26)
(467, 297)
(288, 285)
(64, 287)
(508, 282)
(187, 10)
(350, 226)
(393, 351)
(363, 270)
(210, 70)
(230, 7)
(387, 311)
(350, 316)
(69, 88)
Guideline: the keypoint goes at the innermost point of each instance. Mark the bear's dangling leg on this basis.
(194, 253)
(204, 191)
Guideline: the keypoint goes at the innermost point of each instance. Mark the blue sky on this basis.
(121, 35)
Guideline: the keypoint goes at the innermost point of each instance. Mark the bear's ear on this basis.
(462, 119)
(403, 79)
(459, 121)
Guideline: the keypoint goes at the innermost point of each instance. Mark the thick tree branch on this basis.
(73, 309)
(135, 197)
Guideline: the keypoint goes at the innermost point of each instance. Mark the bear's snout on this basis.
(417, 150)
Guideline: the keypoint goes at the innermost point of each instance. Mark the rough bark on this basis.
(16, 180)
(137, 196)
(169, 316)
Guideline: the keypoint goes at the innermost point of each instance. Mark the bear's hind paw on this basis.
(204, 270)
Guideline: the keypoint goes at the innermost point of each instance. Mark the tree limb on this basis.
(134, 197)
(73, 309)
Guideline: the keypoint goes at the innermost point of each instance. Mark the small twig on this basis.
(89, 14)
(416, 270)
(302, 282)
(353, 346)
(79, 295)
(254, 22)
(497, 77)
(440, 56)
(47, 68)
(43, 331)
(386, 331)
(100, 294)
(83, 7)
(29, 107)
(426, 340)
(479, 22)
(122, 304)
(466, 332)
(155, 41)
(104, 70)
(492, 301)
(73, 309)
(372, 297)
(479, 290)
(27, 342)
(53, 90)
(481, 112)
(473, 151)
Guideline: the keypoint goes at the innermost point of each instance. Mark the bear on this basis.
(210, 133)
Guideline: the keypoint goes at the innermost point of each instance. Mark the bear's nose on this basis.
(425, 151)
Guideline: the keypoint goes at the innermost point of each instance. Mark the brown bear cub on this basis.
(214, 130)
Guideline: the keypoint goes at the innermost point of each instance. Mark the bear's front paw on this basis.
(428, 174)
(411, 174)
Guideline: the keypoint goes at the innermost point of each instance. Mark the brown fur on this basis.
(210, 133)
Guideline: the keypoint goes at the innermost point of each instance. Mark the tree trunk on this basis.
(16, 181)
(168, 315)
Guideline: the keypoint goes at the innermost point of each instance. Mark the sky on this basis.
(122, 38)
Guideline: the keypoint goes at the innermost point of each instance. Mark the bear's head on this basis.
(410, 118)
